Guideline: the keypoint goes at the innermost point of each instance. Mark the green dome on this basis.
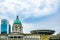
(17, 21)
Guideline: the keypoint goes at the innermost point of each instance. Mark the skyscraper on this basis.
(9, 28)
(5, 27)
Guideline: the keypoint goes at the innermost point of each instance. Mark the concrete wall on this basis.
(3, 37)
(32, 37)
(28, 37)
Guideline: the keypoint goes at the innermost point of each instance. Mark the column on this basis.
(17, 38)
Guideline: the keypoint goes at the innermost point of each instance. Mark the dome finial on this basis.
(17, 16)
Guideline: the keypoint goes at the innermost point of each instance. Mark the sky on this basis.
(34, 14)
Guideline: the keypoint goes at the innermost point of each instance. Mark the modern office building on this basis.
(5, 27)
(9, 29)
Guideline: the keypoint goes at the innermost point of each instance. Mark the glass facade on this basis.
(5, 27)
(9, 28)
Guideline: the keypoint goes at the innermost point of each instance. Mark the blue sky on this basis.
(34, 14)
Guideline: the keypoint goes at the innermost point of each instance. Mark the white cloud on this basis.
(32, 7)
(27, 27)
